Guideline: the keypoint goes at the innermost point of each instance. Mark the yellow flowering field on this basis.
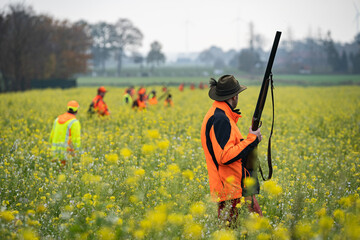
(142, 175)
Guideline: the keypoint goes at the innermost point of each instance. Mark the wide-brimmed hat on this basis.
(226, 87)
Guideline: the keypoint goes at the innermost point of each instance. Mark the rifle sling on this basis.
(271, 132)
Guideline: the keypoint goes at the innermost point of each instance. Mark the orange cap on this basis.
(142, 91)
(73, 105)
(102, 89)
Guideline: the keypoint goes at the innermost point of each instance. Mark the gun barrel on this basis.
(265, 84)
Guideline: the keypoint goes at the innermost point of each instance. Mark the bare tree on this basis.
(127, 37)
(103, 35)
(155, 56)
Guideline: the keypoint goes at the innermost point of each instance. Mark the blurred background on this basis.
(116, 42)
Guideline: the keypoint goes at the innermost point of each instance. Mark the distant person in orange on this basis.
(127, 98)
(164, 89)
(181, 87)
(152, 98)
(192, 86)
(142, 91)
(140, 103)
(168, 101)
(98, 105)
(201, 86)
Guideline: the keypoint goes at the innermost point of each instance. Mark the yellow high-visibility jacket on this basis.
(65, 135)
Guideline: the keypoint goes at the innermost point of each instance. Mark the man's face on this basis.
(102, 94)
(236, 99)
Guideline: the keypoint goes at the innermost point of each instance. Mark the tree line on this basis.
(39, 47)
(34, 46)
(312, 55)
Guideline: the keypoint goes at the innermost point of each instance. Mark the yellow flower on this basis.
(326, 223)
(163, 145)
(40, 208)
(176, 219)
(193, 231)
(249, 182)
(7, 215)
(155, 218)
(197, 209)
(139, 234)
(29, 234)
(86, 160)
(125, 152)
(321, 212)
(281, 233)
(272, 188)
(134, 199)
(188, 174)
(153, 133)
(119, 222)
(173, 168)
(139, 172)
(255, 223)
(147, 149)
(230, 179)
(61, 178)
(346, 201)
(106, 233)
(224, 234)
(339, 215)
(303, 231)
(112, 158)
(263, 236)
(30, 212)
(89, 178)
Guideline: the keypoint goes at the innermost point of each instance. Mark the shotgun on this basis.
(262, 98)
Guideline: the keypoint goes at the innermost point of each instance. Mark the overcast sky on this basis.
(193, 25)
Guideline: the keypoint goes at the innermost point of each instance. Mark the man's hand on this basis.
(257, 133)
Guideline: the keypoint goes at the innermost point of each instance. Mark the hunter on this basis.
(226, 150)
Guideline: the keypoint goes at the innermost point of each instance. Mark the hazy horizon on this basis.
(192, 26)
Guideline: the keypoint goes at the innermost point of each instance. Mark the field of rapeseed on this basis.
(142, 175)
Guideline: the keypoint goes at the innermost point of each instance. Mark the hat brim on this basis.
(214, 96)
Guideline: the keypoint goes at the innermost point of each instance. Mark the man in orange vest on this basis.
(65, 135)
(98, 105)
(168, 101)
(140, 102)
(152, 98)
(226, 151)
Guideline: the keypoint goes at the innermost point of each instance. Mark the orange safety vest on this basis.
(140, 104)
(100, 106)
(153, 101)
(224, 149)
(168, 103)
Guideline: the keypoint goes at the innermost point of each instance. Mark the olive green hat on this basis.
(226, 87)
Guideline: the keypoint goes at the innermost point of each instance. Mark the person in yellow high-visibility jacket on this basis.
(65, 137)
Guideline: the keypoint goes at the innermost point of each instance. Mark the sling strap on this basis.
(271, 132)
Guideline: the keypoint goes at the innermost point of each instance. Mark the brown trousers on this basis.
(228, 212)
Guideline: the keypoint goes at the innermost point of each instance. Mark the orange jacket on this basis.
(140, 104)
(100, 106)
(168, 103)
(224, 149)
(153, 101)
